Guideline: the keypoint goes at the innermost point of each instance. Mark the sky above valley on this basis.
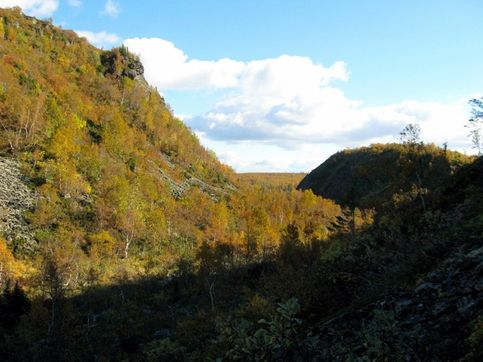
(281, 85)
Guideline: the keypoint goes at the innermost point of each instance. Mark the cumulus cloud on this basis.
(252, 142)
(38, 8)
(168, 67)
(111, 8)
(100, 39)
(326, 115)
(289, 109)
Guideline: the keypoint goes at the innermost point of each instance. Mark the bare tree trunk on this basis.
(1, 274)
(212, 295)
(122, 99)
(35, 117)
(126, 248)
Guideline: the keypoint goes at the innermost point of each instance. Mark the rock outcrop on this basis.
(433, 322)
(178, 189)
(120, 63)
(15, 198)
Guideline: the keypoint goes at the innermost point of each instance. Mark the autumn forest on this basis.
(123, 238)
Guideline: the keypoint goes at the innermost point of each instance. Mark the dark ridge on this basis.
(369, 176)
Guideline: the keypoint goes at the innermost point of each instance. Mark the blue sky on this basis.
(280, 85)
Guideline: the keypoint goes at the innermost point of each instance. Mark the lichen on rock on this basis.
(15, 198)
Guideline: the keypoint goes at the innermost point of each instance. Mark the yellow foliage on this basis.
(66, 141)
(11, 268)
(7, 263)
(102, 243)
(11, 34)
(66, 178)
(48, 210)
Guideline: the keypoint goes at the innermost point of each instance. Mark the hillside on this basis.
(93, 137)
(439, 317)
(121, 185)
(369, 176)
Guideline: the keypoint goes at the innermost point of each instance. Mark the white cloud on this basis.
(303, 144)
(38, 8)
(288, 112)
(168, 67)
(100, 39)
(75, 3)
(111, 8)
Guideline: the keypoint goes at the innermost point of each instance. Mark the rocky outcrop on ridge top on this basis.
(15, 198)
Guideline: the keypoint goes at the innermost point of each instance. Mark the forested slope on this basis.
(116, 174)
(369, 176)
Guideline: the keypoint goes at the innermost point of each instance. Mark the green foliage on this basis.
(279, 338)
(382, 338)
(475, 340)
(475, 124)
(163, 350)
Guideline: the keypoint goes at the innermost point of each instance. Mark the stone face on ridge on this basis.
(15, 198)
(121, 63)
(135, 69)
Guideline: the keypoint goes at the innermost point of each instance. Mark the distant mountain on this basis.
(369, 176)
(271, 178)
